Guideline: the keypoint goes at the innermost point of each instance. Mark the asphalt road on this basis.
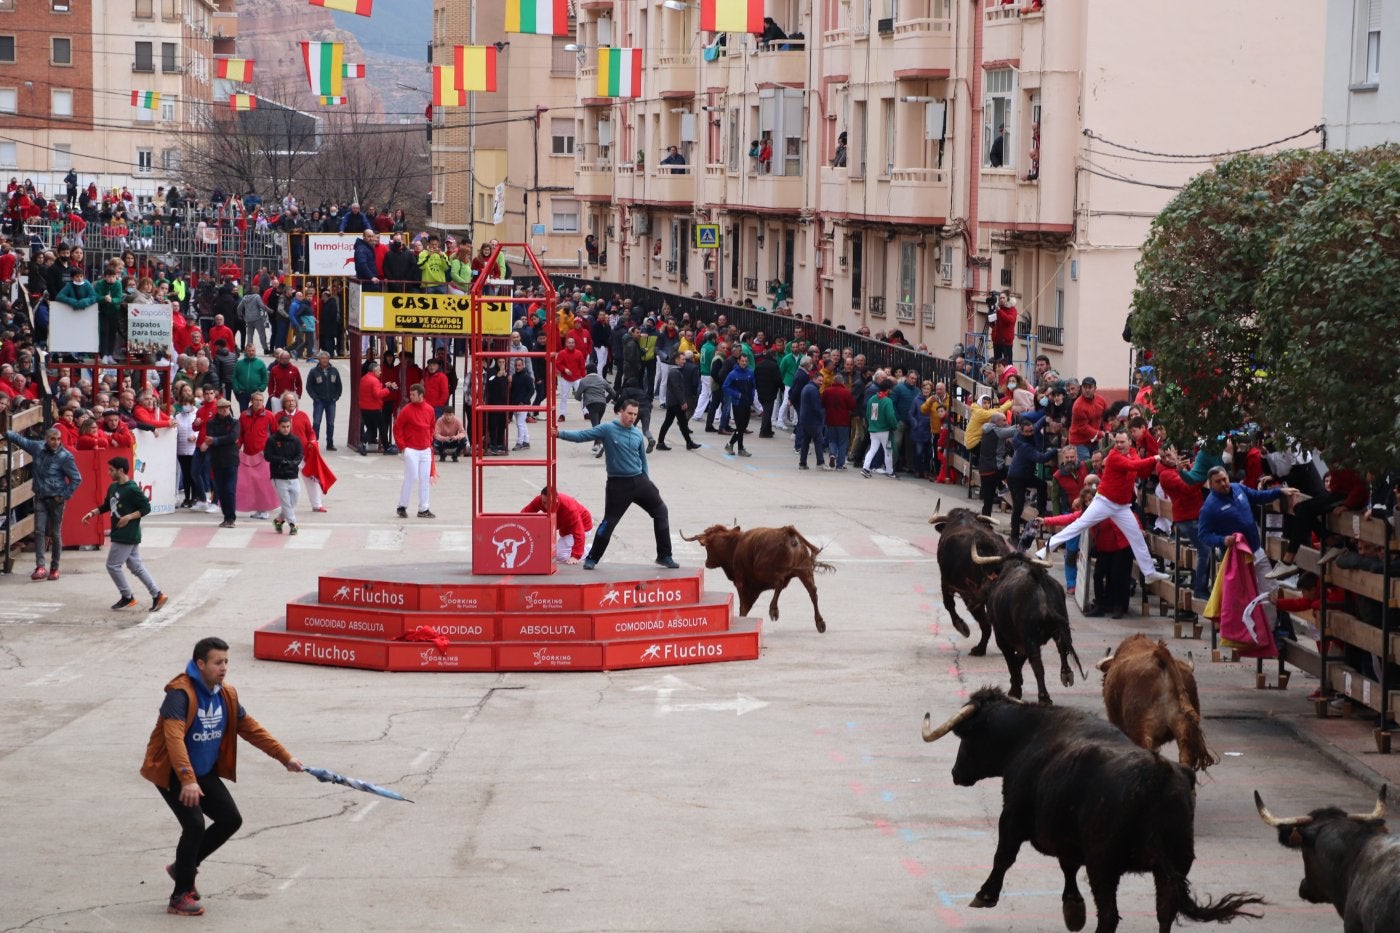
(789, 793)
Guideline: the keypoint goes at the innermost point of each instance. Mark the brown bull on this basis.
(763, 559)
(1152, 697)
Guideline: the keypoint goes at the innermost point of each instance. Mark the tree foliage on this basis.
(1199, 307)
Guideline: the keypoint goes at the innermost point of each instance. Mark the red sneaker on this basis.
(39, 574)
(185, 905)
(53, 574)
(170, 870)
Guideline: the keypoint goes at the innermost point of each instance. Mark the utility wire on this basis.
(1203, 155)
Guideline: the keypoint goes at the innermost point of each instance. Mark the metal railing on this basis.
(877, 306)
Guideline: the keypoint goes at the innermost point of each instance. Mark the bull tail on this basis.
(820, 566)
(1222, 910)
(1192, 745)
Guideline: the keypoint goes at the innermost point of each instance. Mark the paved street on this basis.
(790, 793)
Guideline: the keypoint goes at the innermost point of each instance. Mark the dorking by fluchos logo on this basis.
(431, 657)
(533, 600)
(548, 657)
(450, 600)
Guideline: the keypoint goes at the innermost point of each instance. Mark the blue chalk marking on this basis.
(887, 795)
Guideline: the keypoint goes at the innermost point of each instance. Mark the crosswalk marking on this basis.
(309, 539)
(895, 547)
(231, 538)
(385, 539)
(830, 547)
(456, 541)
(25, 611)
(158, 536)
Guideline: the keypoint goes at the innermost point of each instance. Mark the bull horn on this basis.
(962, 715)
(1042, 563)
(938, 515)
(1106, 660)
(1375, 814)
(978, 558)
(987, 520)
(1275, 821)
(684, 538)
(1190, 661)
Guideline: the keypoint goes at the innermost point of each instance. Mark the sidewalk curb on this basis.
(1349, 763)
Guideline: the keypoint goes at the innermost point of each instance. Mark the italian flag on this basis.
(351, 70)
(149, 100)
(238, 102)
(619, 72)
(324, 67)
(445, 92)
(475, 67)
(235, 69)
(358, 7)
(731, 15)
(540, 17)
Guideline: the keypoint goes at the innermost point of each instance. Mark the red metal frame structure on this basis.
(498, 539)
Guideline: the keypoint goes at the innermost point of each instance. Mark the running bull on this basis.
(1152, 697)
(1349, 861)
(1026, 609)
(763, 559)
(963, 532)
(1077, 789)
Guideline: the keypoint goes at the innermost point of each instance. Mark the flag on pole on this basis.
(235, 69)
(332, 101)
(731, 15)
(619, 72)
(324, 67)
(475, 67)
(352, 70)
(149, 100)
(238, 102)
(445, 92)
(540, 17)
(358, 7)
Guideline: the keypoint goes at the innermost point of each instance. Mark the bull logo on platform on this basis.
(513, 544)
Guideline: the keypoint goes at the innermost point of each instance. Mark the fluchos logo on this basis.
(546, 657)
(450, 600)
(533, 600)
(432, 658)
(514, 545)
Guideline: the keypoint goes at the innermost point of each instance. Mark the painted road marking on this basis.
(896, 547)
(233, 538)
(385, 539)
(309, 539)
(456, 541)
(195, 595)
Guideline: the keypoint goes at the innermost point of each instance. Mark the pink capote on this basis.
(1238, 604)
(255, 489)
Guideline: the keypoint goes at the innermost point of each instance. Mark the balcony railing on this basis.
(1053, 336)
(907, 27)
(671, 267)
(672, 170)
(715, 170)
(904, 311)
(855, 298)
(996, 11)
(877, 305)
(750, 284)
(922, 176)
(928, 314)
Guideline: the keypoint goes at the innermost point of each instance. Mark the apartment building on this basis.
(67, 71)
(912, 154)
(1361, 110)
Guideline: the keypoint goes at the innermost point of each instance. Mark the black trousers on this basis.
(372, 427)
(1309, 516)
(1113, 578)
(1019, 485)
(742, 413)
(622, 493)
(681, 419)
(765, 427)
(198, 842)
(988, 483)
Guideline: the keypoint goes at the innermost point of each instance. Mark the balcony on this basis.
(782, 63)
(1050, 336)
(673, 184)
(715, 185)
(781, 192)
(225, 25)
(928, 314)
(625, 186)
(594, 181)
(836, 184)
(597, 6)
(906, 194)
(675, 76)
(877, 306)
(922, 48)
(836, 52)
(1001, 11)
(751, 286)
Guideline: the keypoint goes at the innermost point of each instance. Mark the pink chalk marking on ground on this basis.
(913, 867)
(858, 788)
(884, 827)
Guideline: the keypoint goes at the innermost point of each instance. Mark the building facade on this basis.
(1361, 109)
(67, 72)
(892, 160)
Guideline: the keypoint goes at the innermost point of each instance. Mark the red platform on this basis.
(606, 619)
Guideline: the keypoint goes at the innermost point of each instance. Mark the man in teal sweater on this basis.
(625, 454)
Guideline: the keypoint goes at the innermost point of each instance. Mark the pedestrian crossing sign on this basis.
(707, 236)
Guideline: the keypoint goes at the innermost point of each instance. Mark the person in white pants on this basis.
(413, 432)
(1114, 503)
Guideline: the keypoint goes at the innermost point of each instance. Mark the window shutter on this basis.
(935, 117)
(1373, 18)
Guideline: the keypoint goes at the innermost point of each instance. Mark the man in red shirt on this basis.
(283, 376)
(372, 395)
(116, 434)
(571, 520)
(1004, 327)
(413, 433)
(437, 391)
(221, 331)
(1086, 419)
(1114, 503)
(569, 363)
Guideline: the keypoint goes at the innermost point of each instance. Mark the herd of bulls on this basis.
(1092, 793)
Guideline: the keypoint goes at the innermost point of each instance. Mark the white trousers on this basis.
(705, 393)
(417, 466)
(662, 371)
(566, 392)
(564, 549)
(879, 440)
(1103, 509)
(602, 353)
(522, 427)
(313, 491)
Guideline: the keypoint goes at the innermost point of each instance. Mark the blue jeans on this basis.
(1072, 563)
(1086, 452)
(435, 289)
(280, 326)
(319, 408)
(200, 470)
(1203, 576)
(837, 437)
(226, 485)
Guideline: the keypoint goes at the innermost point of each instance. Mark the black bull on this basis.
(961, 533)
(1079, 790)
(1026, 609)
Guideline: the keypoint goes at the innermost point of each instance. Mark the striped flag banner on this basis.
(475, 67)
(731, 15)
(324, 67)
(235, 69)
(445, 91)
(540, 17)
(619, 72)
(333, 101)
(358, 7)
(352, 70)
(149, 100)
(238, 102)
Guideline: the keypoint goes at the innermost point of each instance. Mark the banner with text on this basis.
(70, 330)
(331, 253)
(149, 329)
(157, 469)
(430, 315)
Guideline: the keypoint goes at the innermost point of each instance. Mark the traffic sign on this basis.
(707, 236)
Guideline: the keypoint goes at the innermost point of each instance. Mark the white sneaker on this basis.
(200, 506)
(1281, 571)
(1042, 554)
(1155, 576)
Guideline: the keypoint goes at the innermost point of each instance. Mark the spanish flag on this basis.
(242, 102)
(445, 92)
(149, 100)
(539, 17)
(358, 7)
(731, 15)
(619, 72)
(350, 70)
(475, 67)
(235, 69)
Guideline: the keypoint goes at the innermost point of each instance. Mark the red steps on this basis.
(621, 617)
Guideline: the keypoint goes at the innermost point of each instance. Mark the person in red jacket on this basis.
(283, 377)
(114, 432)
(67, 425)
(413, 432)
(570, 363)
(1086, 419)
(1004, 327)
(1113, 560)
(1186, 499)
(88, 436)
(148, 413)
(583, 339)
(372, 396)
(1345, 491)
(572, 521)
(437, 391)
(1114, 503)
(838, 404)
(315, 472)
(255, 487)
(221, 331)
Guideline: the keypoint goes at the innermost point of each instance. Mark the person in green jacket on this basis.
(109, 311)
(128, 505)
(78, 293)
(786, 416)
(249, 376)
(882, 420)
(433, 266)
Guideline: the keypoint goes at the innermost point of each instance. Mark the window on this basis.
(1368, 43)
(734, 139)
(7, 49)
(858, 133)
(61, 51)
(9, 155)
(145, 115)
(857, 268)
(59, 6)
(61, 103)
(144, 159)
(9, 100)
(561, 60)
(780, 121)
(908, 275)
(144, 60)
(7, 6)
(1060, 295)
(168, 62)
(145, 9)
(170, 10)
(167, 111)
(62, 157)
(170, 160)
(563, 215)
(561, 132)
(997, 130)
(887, 114)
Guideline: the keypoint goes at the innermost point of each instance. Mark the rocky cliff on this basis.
(271, 31)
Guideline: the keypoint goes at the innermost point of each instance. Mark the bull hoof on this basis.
(1067, 678)
(982, 902)
(1044, 700)
(978, 650)
(772, 615)
(962, 628)
(821, 626)
(1074, 913)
